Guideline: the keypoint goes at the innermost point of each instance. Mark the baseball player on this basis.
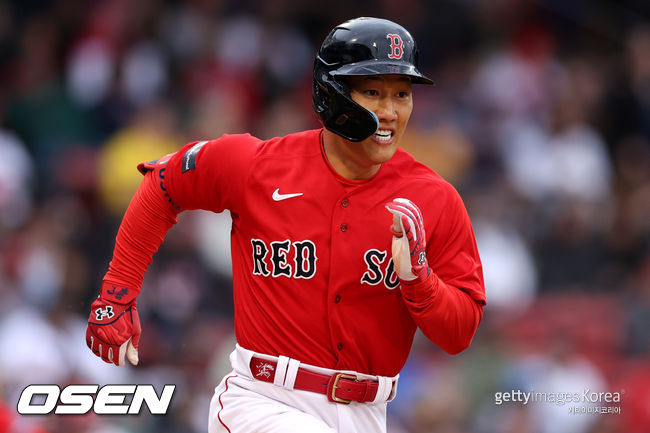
(342, 245)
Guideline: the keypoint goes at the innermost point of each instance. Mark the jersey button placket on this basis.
(344, 204)
(340, 211)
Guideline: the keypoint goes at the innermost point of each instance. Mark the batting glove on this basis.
(409, 240)
(113, 330)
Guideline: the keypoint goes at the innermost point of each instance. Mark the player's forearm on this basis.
(143, 228)
(446, 315)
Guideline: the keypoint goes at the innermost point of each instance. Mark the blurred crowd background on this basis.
(540, 118)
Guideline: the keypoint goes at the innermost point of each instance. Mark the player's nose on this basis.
(386, 110)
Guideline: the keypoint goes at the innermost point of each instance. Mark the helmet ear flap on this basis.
(320, 98)
(338, 112)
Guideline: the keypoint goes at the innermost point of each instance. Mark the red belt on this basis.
(339, 387)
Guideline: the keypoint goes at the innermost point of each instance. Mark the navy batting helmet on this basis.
(362, 46)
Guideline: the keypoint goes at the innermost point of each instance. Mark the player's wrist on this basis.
(421, 290)
(117, 293)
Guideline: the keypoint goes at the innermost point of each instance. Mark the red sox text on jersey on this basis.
(276, 262)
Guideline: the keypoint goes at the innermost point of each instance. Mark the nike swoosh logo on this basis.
(279, 197)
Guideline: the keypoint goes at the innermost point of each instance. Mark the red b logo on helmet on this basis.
(396, 46)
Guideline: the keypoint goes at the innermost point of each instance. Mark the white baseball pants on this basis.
(242, 404)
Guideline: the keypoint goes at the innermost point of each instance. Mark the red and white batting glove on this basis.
(409, 240)
(113, 330)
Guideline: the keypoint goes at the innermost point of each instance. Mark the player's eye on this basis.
(371, 92)
(403, 94)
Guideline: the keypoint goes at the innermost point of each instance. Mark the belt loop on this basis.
(393, 391)
(384, 388)
(280, 371)
(292, 372)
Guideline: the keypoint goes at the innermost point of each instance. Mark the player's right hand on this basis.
(113, 331)
(409, 240)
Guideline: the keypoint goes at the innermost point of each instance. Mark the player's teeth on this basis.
(383, 135)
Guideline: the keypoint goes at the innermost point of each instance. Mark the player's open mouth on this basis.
(383, 135)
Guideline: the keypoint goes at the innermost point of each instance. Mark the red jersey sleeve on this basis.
(452, 251)
(448, 305)
(146, 221)
(210, 175)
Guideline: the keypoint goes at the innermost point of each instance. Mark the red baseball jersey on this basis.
(313, 276)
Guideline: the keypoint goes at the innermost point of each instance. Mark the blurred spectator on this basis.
(564, 371)
(509, 270)
(627, 110)
(90, 72)
(218, 111)
(432, 394)
(628, 238)
(213, 241)
(38, 107)
(566, 160)
(151, 135)
(144, 73)
(285, 115)
(519, 80)
(16, 181)
(638, 304)
(444, 148)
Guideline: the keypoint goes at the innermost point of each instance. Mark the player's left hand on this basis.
(113, 331)
(409, 240)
